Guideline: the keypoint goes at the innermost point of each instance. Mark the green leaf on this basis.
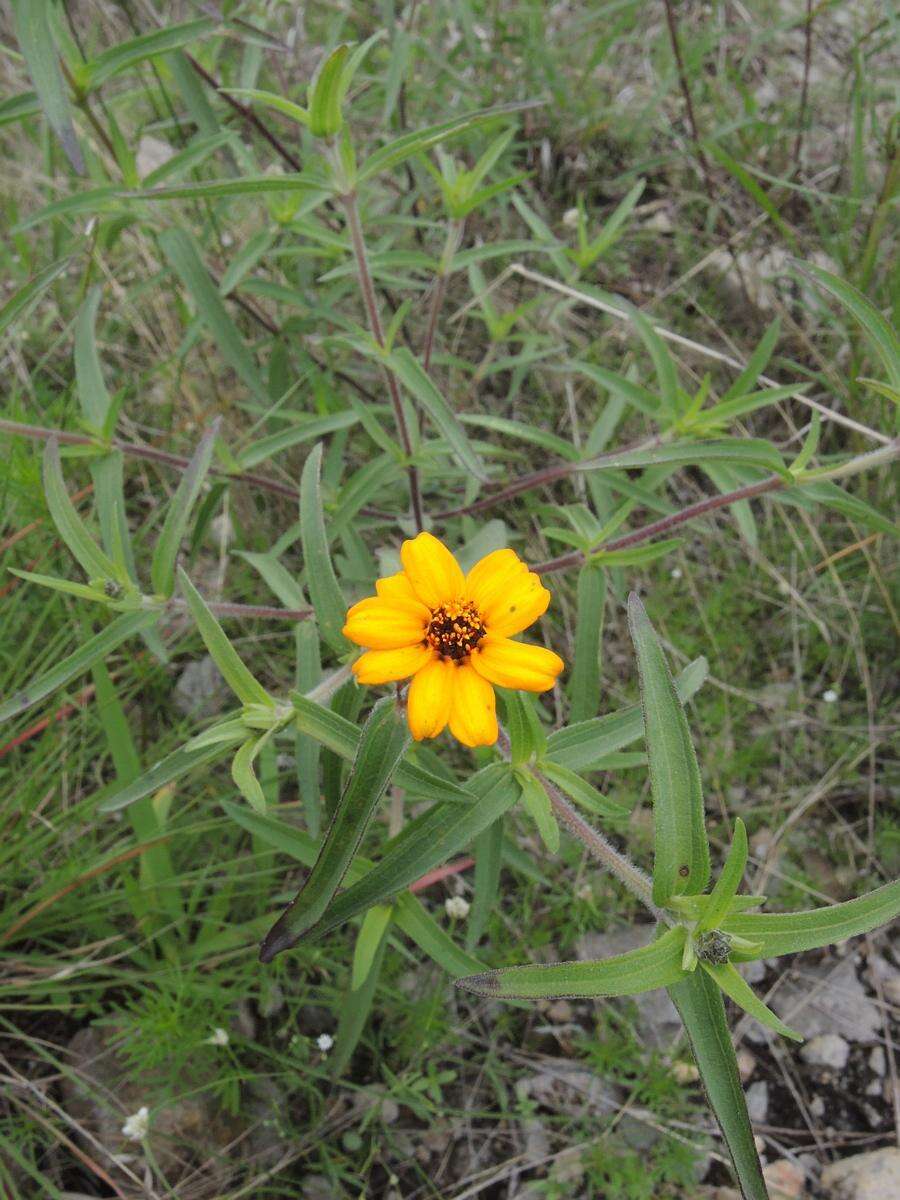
(789, 933)
(247, 689)
(753, 189)
(413, 376)
(72, 530)
(581, 746)
(137, 50)
(286, 107)
(681, 851)
(33, 29)
(21, 302)
(581, 791)
(326, 93)
(488, 860)
(633, 555)
(181, 251)
(81, 590)
(700, 1006)
(17, 108)
(373, 929)
(536, 803)
(810, 445)
(173, 766)
(243, 774)
(245, 185)
(355, 1010)
(301, 431)
(733, 984)
(876, 328)
(525, 735)
(165, 553)
(411, 917)
(77, 663)
(425, 842)
(655, 965)
(324, 589)
(384, 740)
(666, 376)
(756, 363)
(752, 452)
(338, 734)
(824, 491)
(729, 881)
(584, 679)
(423, 139)
(92, 393)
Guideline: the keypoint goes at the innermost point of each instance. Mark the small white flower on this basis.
(137, 1126)
(218, 1037)
(675, 572)
(457, 907)
(570, 218)
(324, 1041)
(227, 240)
(830, 696)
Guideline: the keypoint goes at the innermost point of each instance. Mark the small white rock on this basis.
(746, 1064)
(758, 1101)
(826, 1050)
(785, 1179)
(878, 1061)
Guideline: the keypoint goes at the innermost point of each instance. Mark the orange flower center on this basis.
(455, 629)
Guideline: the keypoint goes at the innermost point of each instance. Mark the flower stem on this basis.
(454, 237)
(357, 241)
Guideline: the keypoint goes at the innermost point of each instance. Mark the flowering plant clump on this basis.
(316, 760)
(453, 634)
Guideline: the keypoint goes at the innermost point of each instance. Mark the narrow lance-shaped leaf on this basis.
(383, 743)
(71, 528)
(426, 842)
(579, 746)
(342, 736)
(642, 970)
(414, 377)
(729, 881)
(181, 251)
(22, 301)
(373, 928)
(165, 554)
(789, 933)
(536, 803)
(700, 1006)
(488, 859)
(244, 775)
(324, 589)
(879, 331)
(247, 689)
(77, 663)
(733, 984)
(32, 18)
(355, 1010)
(584, 681)
(681, 851)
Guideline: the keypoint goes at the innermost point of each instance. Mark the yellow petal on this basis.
(428, 702)
(516, 664)
(473, 713)
(492, 576)
(517, 606)
(386, 624)
(395, 587)
(387, 666)
(432, 570)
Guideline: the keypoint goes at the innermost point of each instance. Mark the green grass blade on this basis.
(372, 929)
(139, 49)
(420, 927)
(700, 1006)
(384, 740)
(22, 301)
(33, 29)
(77, 663)
(789, 933)
(681, 851)
(355, 1009)
(247, 689)
(877, 329)
(181, 251)
(756, 363)
(488, 859)
(642, 970)
(324, 589)
(165, 553)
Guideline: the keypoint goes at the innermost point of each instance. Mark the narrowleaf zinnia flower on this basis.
(453, 634)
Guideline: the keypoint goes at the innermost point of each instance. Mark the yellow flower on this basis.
(453, 634)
